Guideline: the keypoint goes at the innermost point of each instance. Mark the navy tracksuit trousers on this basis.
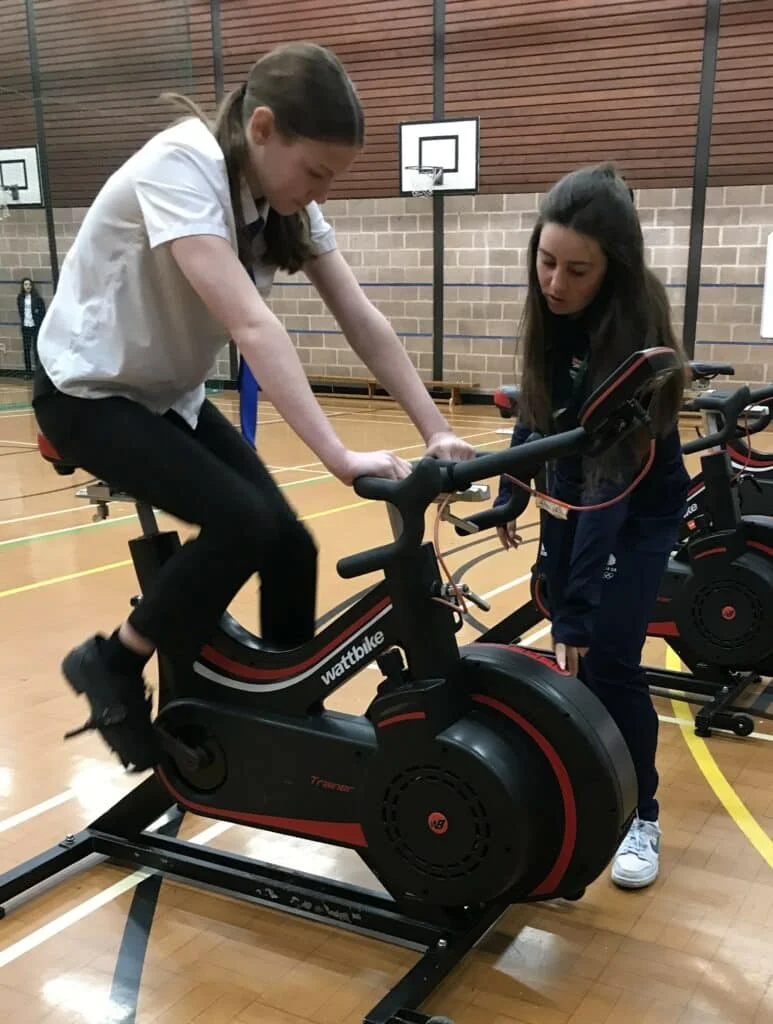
(602, 572)
(618, 605)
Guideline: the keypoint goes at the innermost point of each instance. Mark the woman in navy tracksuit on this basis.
(591, 301)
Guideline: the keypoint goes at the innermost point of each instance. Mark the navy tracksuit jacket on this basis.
(602, 569)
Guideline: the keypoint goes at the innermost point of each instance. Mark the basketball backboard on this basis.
(439, 156)
(766, 326)
(20, 177)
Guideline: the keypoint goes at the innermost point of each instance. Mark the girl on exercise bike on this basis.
(173, 259)
(591, 302)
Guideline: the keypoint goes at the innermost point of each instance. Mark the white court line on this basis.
(58, 924)
(43, 515)
(233, 408)
(65, 529)
(407, 447)
(527, 641)
(33, 812)
(305, 468)
(112, 519)
(20, 444)
(288, 469)
(506, 586)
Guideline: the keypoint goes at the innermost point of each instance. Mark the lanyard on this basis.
(246, 384)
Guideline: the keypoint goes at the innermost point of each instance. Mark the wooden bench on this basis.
(691, 417)
(353, 386)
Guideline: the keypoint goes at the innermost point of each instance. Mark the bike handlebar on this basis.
(607, 416)
(760, 422)
(499, 515)
(730, 407)
(431, 478)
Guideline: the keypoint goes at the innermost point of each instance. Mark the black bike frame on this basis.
(394, 612)
(399, 611)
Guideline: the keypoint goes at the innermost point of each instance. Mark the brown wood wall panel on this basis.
(742, 122)
(102, 70)
(387, 49)
(561, 85)
(555, 84)
(17, 113)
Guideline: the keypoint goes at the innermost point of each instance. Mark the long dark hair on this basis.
(33, 289)
(312, 97)
(631, 310)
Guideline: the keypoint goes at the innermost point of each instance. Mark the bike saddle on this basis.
(62, 466)
(707, 371)
(506, 399)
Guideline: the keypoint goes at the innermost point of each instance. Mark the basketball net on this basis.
(5, 195)
(425, 180)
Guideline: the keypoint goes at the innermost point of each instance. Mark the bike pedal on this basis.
(481, 602)
(461, 524)
(189, 758)
(448, 592)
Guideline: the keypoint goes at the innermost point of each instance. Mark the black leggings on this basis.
(209, 477)
(29, 340)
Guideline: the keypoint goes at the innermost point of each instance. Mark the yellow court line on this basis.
(410, 447)
(712, 773)
(332, 511)
(313, 515)
(120, 565)
(64, 579)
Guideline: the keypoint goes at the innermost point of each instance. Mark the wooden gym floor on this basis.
(696, 947)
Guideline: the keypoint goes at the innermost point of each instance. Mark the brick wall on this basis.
(24, 253)
(738, 222)
(388, 242)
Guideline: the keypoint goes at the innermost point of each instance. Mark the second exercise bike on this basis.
(715, 605)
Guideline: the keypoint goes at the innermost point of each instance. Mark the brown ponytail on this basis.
(229, 132)
(311, 97)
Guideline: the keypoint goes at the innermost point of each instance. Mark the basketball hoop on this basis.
(425, 180)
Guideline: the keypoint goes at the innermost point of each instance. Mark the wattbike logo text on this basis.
(351, 657)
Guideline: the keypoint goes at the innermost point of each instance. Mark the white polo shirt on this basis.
(124, 319)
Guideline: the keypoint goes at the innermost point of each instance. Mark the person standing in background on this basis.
(32, 309)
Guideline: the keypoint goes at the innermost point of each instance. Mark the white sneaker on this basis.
(637, 860)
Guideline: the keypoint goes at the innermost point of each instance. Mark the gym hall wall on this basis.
(678, 92)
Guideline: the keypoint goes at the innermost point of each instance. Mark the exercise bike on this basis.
(477, 777)
(715, 605)
(754, 468)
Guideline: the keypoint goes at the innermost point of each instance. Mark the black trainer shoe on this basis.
(120, 706)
